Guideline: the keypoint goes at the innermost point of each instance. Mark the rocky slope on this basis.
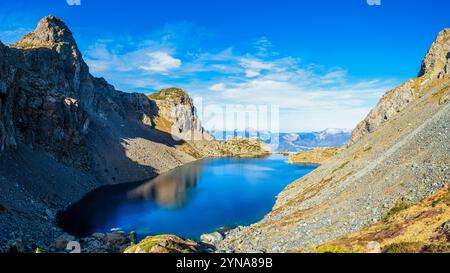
(424, 227)
(64, 132)
(400, 151)
(435, 68)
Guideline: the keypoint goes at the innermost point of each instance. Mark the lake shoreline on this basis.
(262, 157)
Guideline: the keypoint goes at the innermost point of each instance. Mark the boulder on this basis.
(116, 238)
(211, 238)
(61, 242)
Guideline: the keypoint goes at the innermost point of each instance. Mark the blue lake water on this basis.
(197, 198)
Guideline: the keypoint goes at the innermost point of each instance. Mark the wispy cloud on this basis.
(159, 61)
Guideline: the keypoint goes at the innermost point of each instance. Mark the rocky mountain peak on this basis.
(51, 31)
(437, 61)
(435, 65)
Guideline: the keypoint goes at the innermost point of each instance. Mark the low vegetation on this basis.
(333, 249)
(400, 205)
(164, 244)
(168, 93)
(316, 156)
(417, 247)
(420, 228)
(341, 167)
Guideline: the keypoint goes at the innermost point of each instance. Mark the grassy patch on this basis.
(404, 247)
(417, 247)
(333, 249)
(400, 205)
(340, 167)
(168, 93)
(147, 244)
(444, 199)
(437, 248)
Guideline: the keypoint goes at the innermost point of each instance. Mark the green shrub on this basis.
(400, 205)
(340, 167)
(403, 247)
(437, 248)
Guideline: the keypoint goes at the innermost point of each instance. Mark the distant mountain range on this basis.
(292, 142)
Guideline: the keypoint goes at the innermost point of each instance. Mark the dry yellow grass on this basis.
(419, 228)
(316, 156)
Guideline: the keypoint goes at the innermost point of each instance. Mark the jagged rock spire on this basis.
(50, 32)
(437, 61)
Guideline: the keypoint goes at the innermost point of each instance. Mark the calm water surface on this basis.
(197, 198)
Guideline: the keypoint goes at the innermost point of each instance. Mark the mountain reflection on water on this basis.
(169, 190)
(188, 201)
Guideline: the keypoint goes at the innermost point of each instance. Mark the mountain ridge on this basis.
(293, 142)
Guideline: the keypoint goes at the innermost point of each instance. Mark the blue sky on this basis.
(325, 63)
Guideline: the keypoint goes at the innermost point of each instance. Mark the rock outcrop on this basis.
(165, 244)
(406, 157)
(435, 68)
(177, 115)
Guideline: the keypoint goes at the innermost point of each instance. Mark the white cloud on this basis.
(251, 73)
(161, 62)
(218, 87)
(253, 67)
(264, 47)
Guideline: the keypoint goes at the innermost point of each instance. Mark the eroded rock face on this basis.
(437, 61)
(390, 104)
(177, 115)
(7, 77)
(435, 66)
(48, 98)
(45, 87)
